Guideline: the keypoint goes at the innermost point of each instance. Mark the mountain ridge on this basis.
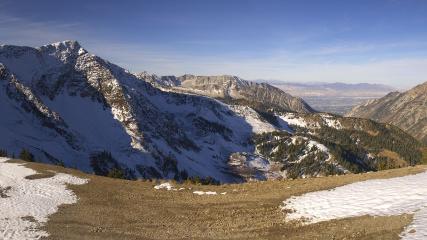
(72, 108)
(232, 88)
(407, 110)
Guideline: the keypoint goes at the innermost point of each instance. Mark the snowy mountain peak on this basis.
(76, 109)
(66, 48)
(71, 45)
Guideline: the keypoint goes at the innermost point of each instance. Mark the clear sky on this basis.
(376, 41)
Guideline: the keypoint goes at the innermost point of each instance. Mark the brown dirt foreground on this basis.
(117, 209)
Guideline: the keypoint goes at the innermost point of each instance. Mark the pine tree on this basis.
(26, 155)
(3, 153)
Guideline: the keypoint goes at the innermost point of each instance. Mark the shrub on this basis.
(203, 181)
(3, 153)
(26, 155)
(116, 173)
(104, 164)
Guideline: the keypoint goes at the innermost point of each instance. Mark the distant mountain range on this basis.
(69, 107)
(337, 98)
(407, 110)
(332, 89)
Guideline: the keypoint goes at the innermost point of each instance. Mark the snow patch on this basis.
(331, 122)
(167, 186)
(253, 119)
(382, 197)
(319, 146)
(30, 202)
(205, 193)
(292, 119)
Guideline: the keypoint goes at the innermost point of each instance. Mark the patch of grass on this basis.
(40, 175)
(117, 209)
(394, 159)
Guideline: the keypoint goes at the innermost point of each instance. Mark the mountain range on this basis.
(69, 107)
(338, 98)
(407, 110)
(231, 89)
(338, 89)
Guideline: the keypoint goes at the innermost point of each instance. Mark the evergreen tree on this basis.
(3, 153)
(26, 155)
(116, 173)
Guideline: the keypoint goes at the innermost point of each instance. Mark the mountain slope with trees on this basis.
(407, 110)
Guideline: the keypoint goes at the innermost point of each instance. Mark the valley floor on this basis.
(117, 209)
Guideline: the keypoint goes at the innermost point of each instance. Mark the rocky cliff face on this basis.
(229, 88)
(407, 110)
(69, 107)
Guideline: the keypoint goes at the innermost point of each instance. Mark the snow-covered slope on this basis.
(386, 197)
(65, 105)
(70, 107)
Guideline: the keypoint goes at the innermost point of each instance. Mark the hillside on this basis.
(231, 88)
(246, 211)
(72, 108)
(323, 144)
(407, 110)
(65, 106)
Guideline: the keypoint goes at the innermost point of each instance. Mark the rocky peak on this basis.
(68, 107)
(231, 89)
(66, 50)
(68, 46)
(419, 90)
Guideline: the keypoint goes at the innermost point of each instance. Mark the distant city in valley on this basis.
(337, 98)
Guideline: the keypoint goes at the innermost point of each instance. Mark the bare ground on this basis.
(117, 209)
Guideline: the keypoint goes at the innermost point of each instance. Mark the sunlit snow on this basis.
(383, 197)
(167, 186)
(25, 205)
(205, 193)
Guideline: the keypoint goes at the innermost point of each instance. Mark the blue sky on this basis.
(376, 41)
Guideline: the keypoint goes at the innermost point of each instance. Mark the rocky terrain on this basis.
(231, 88)
(407, 110)
(65, 106)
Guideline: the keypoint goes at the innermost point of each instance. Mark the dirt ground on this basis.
(118, 209)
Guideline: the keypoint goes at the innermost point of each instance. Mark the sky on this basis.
(351, 41)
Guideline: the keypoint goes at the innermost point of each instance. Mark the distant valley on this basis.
(338, 98)
(407, 110)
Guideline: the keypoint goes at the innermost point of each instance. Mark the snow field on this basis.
(168, 186)
(384, 197)
(28, 203)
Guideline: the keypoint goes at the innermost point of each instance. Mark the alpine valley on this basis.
(69, 107)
